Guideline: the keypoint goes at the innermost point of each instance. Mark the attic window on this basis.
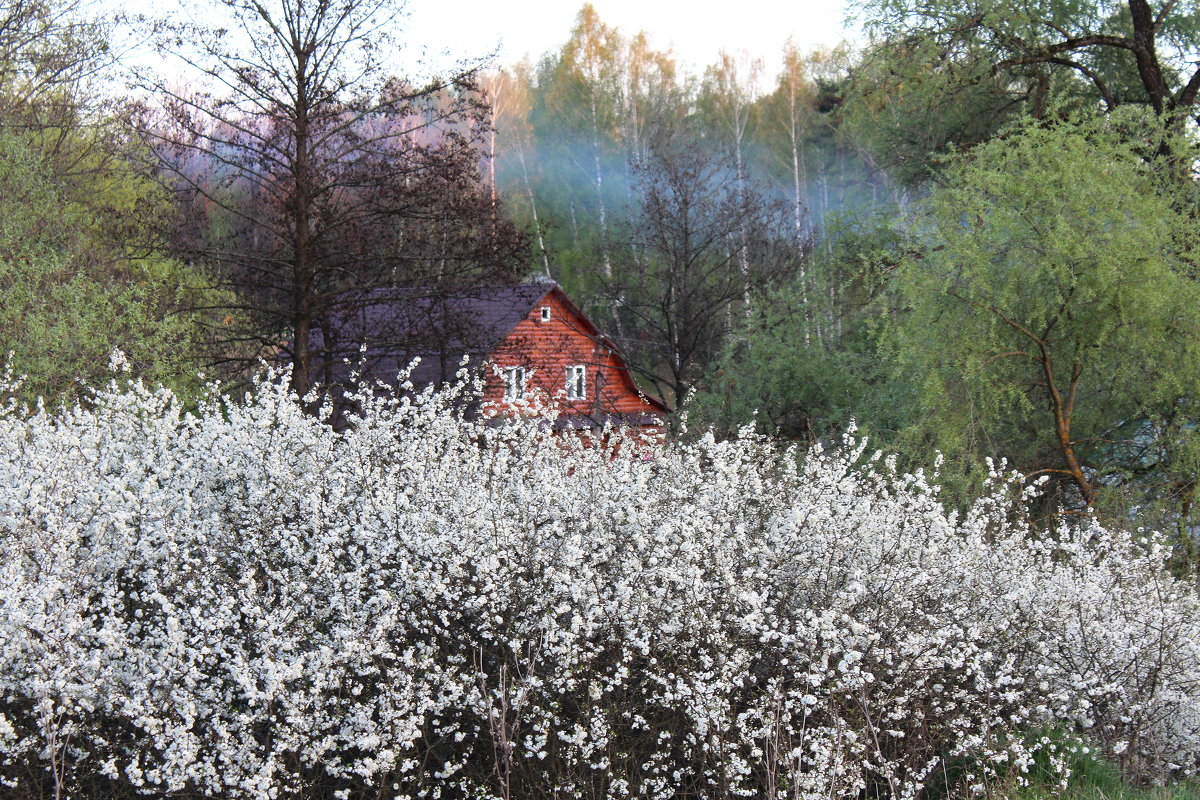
(514, 383)
(545, 313)
(576, 382)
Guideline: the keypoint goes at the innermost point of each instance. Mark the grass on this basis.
(1095, 779)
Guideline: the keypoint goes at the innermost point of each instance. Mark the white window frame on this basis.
(577, 382)
(546, 313)
(514, 383)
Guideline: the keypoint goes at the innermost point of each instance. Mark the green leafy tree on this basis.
(78, 216)
(1134, 51)
(945, 74)
(1051, 313)
(907, 108)
(66, 302)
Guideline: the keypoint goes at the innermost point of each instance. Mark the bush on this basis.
(244, 602)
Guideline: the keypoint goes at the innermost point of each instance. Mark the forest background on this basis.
(972, 233)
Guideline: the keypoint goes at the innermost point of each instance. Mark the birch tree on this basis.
(583, 101)
(729, 90)
(509, 93)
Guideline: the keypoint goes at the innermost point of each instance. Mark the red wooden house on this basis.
(527, 341)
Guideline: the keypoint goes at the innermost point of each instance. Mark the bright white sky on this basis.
(695, 30)
(445, 31)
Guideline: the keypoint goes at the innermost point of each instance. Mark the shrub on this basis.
(244, 602)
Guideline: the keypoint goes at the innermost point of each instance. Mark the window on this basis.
(545, 313)
(514, 383)
(576, 382)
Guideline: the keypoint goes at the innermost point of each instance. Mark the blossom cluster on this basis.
(243, 602)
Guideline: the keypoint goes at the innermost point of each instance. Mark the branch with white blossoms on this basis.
(243, 602)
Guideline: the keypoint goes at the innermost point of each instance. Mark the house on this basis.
(526, 340)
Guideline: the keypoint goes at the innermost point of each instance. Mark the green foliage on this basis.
(1092, 778)
(1050, 313)
(66, 300)
(908, 115)
(787, 389)
(942, 75)
(807, 361)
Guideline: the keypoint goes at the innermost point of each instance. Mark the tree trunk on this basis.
(537, 225)
(302, 286)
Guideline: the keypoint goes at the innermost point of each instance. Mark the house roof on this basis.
(379, 333)
(474, 317)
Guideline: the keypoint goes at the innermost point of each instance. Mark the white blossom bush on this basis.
(242, 602)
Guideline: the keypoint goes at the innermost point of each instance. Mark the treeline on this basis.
(974, 234)
(678, 205)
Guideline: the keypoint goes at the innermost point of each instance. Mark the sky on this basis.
(437, 34)
(695, 30)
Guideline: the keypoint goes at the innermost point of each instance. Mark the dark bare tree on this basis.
(313, 178)
(710, 245)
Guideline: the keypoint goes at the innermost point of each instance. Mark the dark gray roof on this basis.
(381, 332)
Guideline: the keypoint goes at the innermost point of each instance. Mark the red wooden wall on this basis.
(546, 348)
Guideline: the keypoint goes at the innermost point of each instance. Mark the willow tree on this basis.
(1126, 51)
(1051, 312)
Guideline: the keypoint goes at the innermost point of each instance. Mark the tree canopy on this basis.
(947, 73)
(1049, 307)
